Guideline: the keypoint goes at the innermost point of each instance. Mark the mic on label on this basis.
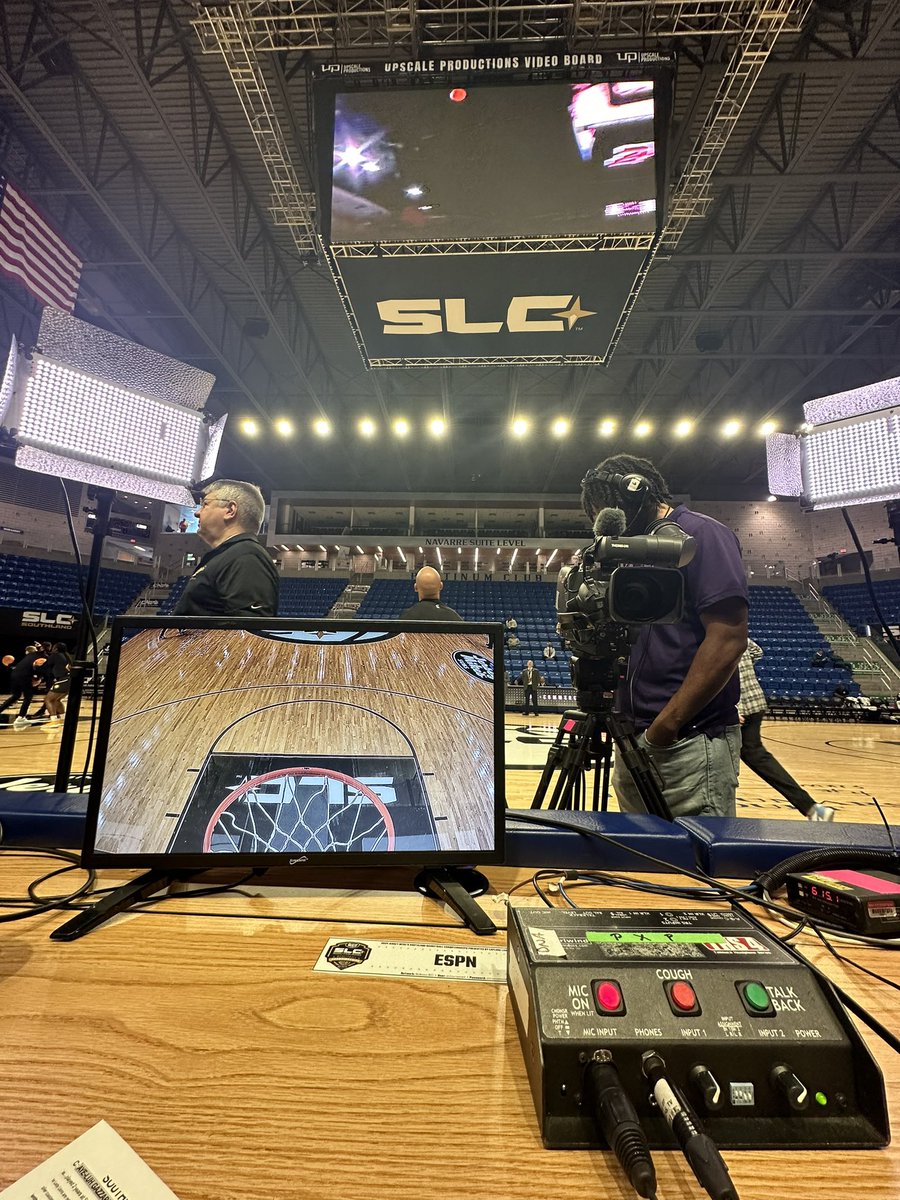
(610, 522)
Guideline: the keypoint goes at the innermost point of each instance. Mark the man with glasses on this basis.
(236, 577)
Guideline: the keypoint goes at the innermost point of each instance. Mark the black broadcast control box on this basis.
(762, 1050)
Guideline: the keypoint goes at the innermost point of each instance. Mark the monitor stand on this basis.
(456, 886)
(118, 901)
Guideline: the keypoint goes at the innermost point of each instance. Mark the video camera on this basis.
(601, 603)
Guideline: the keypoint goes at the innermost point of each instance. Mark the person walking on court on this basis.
(531, 679)
(751, 708)
(236, 577)
(427, 587)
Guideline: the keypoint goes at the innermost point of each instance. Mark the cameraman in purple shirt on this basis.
(682, 685)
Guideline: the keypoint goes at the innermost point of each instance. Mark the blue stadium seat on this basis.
(53, 586)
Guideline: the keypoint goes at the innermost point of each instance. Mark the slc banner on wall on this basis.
(472, 309)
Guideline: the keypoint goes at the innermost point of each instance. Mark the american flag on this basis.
(34, 253)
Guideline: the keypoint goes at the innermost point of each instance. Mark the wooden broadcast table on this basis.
(236, 1071)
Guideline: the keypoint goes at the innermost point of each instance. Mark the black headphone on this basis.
(635, 493)
(632, 489)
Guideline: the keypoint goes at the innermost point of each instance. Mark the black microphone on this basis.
(610, 522)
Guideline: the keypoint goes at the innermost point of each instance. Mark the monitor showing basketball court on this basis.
(287, 740)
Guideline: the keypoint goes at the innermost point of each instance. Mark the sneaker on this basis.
(820, 812)
(20, 723)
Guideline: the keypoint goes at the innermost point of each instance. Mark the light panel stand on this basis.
(78, 672)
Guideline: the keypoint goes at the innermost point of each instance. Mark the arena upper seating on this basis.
(53, 586)
(853, 602)
(297, 597)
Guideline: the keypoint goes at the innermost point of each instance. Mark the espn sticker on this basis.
(413, 960)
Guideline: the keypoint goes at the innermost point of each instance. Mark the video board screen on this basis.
(529, 160)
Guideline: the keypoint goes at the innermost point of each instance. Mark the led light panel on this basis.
(856, 403)
(46, 463)
(783, 460)
(94, 407)
(80, 416)
(852, 462)
(94, 351)
(7, 387)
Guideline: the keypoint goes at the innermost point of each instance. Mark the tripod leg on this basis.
(567, 754)
(554, 757)
(603, 770)
(568, 794)
(643, 772)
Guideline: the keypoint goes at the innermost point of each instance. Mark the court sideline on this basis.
(843, 765)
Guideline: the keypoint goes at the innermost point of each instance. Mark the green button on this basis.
(756, 996)
(821, 1098)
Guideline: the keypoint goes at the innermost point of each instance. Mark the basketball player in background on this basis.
(236, 577)
(682, 686)
(428, 586)
(55, 669)
(59, 664)
(21, 682)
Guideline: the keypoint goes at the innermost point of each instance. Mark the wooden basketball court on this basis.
(843, 765)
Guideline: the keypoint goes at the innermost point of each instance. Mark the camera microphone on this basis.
(610, 522)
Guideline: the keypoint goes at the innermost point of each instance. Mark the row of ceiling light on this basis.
(519, 428)
(323, 428)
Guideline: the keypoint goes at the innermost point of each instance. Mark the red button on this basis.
(609, 998)
(683, 996)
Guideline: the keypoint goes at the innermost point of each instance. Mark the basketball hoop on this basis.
(310, 823)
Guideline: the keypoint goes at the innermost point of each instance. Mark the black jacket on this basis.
(236, 579)
(22, 671)
(430, 610)
(537, 679)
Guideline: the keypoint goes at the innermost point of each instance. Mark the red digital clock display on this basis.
(821, 893)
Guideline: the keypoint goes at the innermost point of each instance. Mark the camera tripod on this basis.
(585, 739)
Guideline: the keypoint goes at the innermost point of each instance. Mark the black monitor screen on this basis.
(483, 161)
(286, 741)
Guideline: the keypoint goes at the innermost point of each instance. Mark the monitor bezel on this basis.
(93, 858)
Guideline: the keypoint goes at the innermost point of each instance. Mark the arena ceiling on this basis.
(172, 142)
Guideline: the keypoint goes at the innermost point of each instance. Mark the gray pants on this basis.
(699, 775)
